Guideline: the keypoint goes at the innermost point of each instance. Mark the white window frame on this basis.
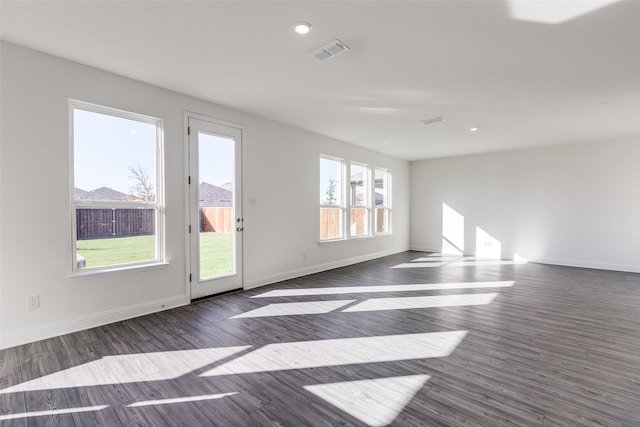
(366, 179)
(387, 202)
(340, 203)
(158, 204)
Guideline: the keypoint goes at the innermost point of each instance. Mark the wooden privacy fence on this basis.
(96, 223)
(380, 221)
(330, 222)
(217, 219)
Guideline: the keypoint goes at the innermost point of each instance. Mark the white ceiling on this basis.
(526, 73)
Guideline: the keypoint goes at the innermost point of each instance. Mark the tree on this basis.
(142, 186)
(330, 195)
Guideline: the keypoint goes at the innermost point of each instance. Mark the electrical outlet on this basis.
(33, 302)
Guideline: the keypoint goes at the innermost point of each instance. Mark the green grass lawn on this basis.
(216, 255)
(117, 250)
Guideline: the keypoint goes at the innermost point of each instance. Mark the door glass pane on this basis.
(216, 204)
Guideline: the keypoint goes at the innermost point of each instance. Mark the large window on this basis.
(359, 200)
(331, 198)
(359, 206)
(116, 185)
(382, 196)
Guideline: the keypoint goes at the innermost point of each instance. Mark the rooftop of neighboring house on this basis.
(212, 195)
(99, 194)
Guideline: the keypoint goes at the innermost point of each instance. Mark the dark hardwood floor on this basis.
(431, 342)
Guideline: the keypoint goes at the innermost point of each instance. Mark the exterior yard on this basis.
(216, 254)
(117, 250)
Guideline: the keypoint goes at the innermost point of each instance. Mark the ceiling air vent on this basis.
(433, 120)
(330, 50)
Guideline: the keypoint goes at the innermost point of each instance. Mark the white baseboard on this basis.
(40, 332)
(423, 249)
(557, 261)
(291, 274)
(585, 264)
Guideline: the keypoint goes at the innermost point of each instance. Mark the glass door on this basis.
(215, 195)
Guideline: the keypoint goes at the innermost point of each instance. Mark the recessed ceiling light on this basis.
(302, 28)
(474, 129)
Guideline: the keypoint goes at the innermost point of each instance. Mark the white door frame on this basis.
(190, 277)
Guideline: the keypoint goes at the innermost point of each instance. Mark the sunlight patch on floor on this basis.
(406, 303)
(387, 288)
(438, 257)
(343, 351)
(420, 264)
(51, 412)
(375, 402)
(180, 400)
(467, 261)
(128, 368)
(295, 308)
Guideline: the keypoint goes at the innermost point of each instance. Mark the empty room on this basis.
(320, 213)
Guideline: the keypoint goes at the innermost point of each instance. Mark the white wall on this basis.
(576, 204)
(280, 172)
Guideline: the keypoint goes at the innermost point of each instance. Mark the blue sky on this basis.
(216, 159)
(106, 146)
(330, 169)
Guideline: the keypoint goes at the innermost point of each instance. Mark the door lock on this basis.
(239, 228)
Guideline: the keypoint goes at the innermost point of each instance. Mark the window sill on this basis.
(350, 239)
(114, 271)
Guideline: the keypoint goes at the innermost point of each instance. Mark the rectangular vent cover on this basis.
(330, 50)
(433, 120)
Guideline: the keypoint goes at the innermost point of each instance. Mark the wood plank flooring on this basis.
(422, 344)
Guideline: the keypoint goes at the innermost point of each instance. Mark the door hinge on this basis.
(189, 179)
(188, 130)
(189, 228)
(189, 276)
